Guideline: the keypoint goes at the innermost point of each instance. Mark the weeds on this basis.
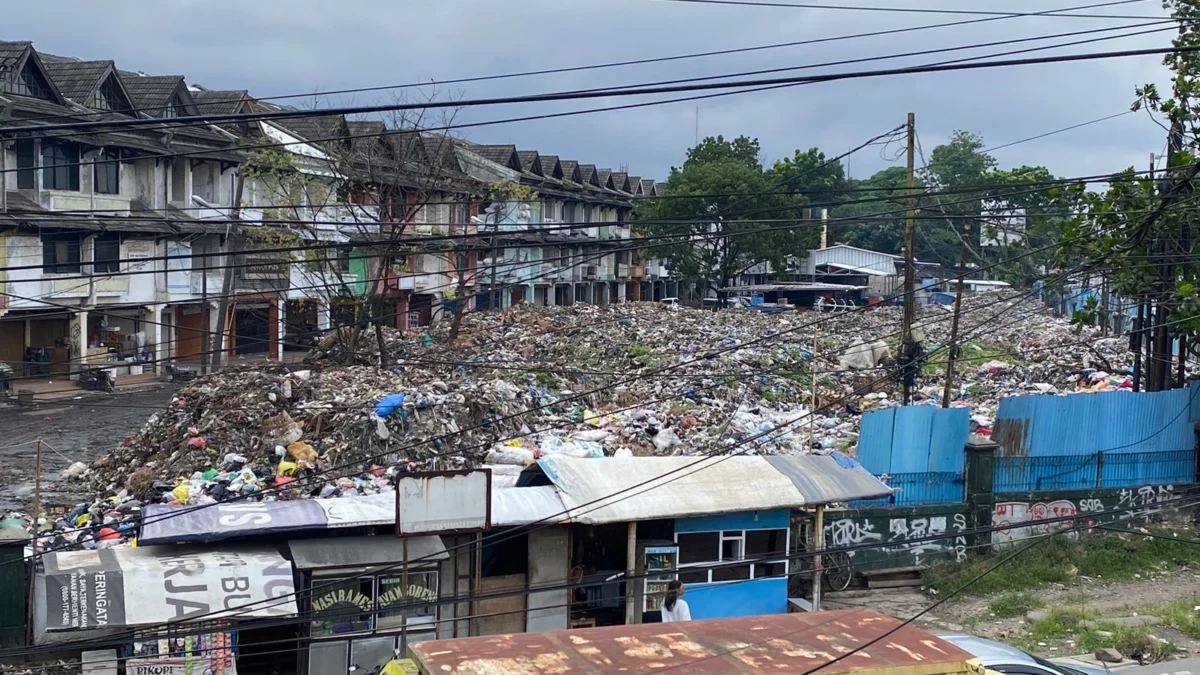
(1014, 604)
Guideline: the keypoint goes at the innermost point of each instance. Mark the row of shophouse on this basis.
(320, 585)
(120, 244)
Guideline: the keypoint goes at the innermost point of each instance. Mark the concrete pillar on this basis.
(78, 339)
(281, 326)
(155, 335)
(620, 292)
(324, 316)
(402, 312)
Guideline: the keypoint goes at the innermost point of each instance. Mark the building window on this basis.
(26, 164)
(60, 166)
(25, 83)
(179, 172)
(106, 253)
(107, 172)
(765, 553)
(106, 97)
(60, 253)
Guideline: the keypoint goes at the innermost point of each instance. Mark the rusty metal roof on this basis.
(782, 644)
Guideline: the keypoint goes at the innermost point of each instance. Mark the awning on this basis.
(646, 488)
(526, 506)
(311, 554)
(152, 585)
(824, 479)
(180, 524)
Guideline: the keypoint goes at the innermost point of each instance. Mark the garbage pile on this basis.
(633, 379)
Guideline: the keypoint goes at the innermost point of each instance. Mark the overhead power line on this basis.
(41, 130)
(898, 10)
(638, 62)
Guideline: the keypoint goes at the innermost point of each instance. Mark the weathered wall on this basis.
(549, 565)
(1146, 503)
(892, 531)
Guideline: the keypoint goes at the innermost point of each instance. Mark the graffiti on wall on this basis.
(1007, 516)
(920, 538)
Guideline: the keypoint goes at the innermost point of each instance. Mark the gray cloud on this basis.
(303, 46)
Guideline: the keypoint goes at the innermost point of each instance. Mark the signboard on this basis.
(158, 665)
(444, 502)
(138, 586)
(165, 524)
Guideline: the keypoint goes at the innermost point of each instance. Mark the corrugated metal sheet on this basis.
(779, 643)
(1117, 421)
(822, 480)
(643, 488)
(914, 439)
(868, 262)
(1106, 470)
(925, 487)
(310, 554)
(526, 506)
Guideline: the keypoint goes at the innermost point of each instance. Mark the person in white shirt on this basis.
(675, 608)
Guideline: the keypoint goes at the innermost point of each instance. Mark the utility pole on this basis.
(910, 218)
(37, 488)
(235, 246)
(1161, 367)
(962, 273)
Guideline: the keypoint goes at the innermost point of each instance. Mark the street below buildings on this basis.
(78, 429)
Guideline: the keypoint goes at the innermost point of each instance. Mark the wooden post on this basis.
(962, 271)
(631, 608)
(910, 218)
(818, 546)
(218, 340)
(812, 410)
(478, 581)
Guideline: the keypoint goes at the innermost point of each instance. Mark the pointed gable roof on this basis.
(551, 168)
(605, 178)
(531, 162)
(649, 189)
(221, 102)
(588, 173)
(504, 155)
(635, 185)
(621, 182)
(571, 172)
(153, 94)
(21, 57)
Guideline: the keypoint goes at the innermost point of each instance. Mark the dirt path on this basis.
(79, 429)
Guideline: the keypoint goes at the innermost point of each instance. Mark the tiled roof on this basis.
(150, 91)
(550, 166)
(648, 186)
(12, 51)
(316, 129)
(635, 184)
(529, 161)
(75, 79)
(621, 181)
(500, 154)
(588, 173)
(570, 169)
(219, 102)
(604, 176)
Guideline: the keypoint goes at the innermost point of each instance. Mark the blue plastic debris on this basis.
(389, 404)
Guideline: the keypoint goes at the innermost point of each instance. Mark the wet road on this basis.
(80, 429)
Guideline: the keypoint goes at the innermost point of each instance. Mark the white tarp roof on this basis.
(526, 505)
(615, 490)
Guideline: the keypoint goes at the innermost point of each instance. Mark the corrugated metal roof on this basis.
(777, 643)
(525, 506)
(308, 554)
(858, 259)
(824, 479)
(645, 488)
(804, 286)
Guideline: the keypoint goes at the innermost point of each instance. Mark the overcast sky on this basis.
(278, 47)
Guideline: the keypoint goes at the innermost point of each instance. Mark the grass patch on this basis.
(1063, 561)
(1014, 604)
(1071, 630)
(774, 396)
(634, 351)
(1180, 615)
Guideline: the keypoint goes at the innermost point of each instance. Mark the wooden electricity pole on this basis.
(217, 340)
(962, 273)
(910, 218)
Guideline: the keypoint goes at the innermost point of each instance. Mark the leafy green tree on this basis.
(726, 214)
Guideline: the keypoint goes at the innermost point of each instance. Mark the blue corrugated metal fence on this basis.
(919, 449)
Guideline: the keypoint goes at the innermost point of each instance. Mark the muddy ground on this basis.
(72, 429)
(972, 615)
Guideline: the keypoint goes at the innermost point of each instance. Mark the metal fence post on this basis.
(1100, 468)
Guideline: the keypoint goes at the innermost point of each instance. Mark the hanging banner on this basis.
(152, 585)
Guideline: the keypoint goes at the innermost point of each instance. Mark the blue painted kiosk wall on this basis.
(740, 591)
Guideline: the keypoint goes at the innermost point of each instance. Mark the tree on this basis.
(726, 213)
(876, 224)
